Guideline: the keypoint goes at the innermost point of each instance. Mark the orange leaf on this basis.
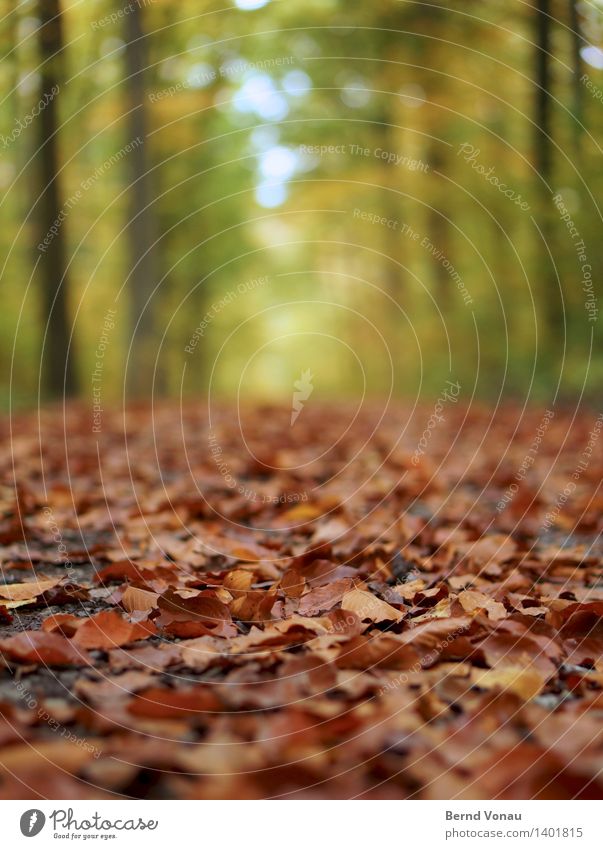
(43, 648)
(108, 629)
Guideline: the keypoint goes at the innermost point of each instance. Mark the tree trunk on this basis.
(58, 371)
(439, 232)
(551, 297)
(543, 155)
(577, 87)
(391, 274)
(141, 225)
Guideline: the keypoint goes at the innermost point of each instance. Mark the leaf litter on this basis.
(340, 623)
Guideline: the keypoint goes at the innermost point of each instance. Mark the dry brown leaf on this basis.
(136, 599)
(366, 606)
(107, 630)
(43, 648)
(473, 601)
(324, 598)
(382, 651)
(26, 591)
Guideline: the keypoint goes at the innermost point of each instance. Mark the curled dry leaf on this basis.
(582, 633)
(194, 616)
(254, 606)
(63, 623)
(441, 610)
(247, 550)
(238, 581)
(293, 583)
(473, 601)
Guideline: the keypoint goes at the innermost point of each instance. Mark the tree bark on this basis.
(552, 304)
(58, 371)
(543, 155)
(141, 225)
(439, 232)
(577, 65)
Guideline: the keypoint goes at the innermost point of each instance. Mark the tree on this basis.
(552, 298)
(59, 374)
(577, 87)
(543, 153)
(141, 224)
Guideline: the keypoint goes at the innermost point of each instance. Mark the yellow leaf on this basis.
(526, 683)
(26, 591)
(10, 605)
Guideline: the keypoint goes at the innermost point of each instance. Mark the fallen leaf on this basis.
(383, 651)
(27, 591)
(43, 648)
(136, 599)
(366, 606)
(324, 598)
(163, 703)
(525, 682)
(107, 630)
(473, 601)
(210, 615)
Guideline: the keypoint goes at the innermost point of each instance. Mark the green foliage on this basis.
(391, 91)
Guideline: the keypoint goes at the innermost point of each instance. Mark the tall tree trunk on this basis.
(59, 374)
(543, 154)
(577, 64)
(439, 231)
(12, 27)
(551, 297)
(141, 225)
(391, 273)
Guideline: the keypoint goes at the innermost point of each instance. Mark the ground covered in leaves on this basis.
(222, 604)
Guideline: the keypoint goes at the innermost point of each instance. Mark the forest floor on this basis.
(227, 605)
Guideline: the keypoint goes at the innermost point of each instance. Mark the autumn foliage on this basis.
(326, 619)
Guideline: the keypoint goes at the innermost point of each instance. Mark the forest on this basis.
(300, 425)
(432, 171)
